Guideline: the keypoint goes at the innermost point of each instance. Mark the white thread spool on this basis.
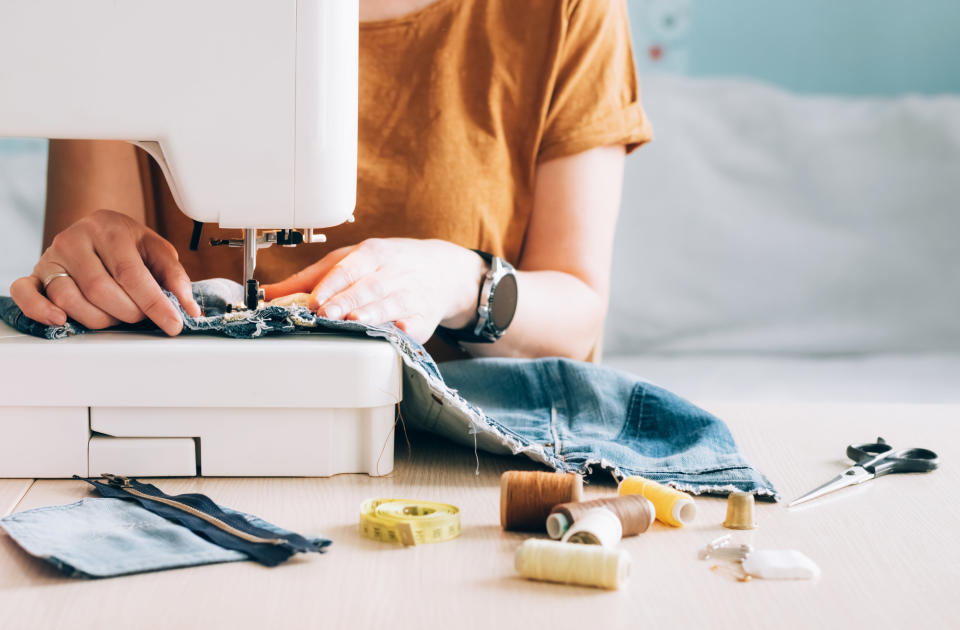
(587, 565)
(599, 526)
(557, 525)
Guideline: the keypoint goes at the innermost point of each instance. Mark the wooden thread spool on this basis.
(526, 497)
(636, 514)
(588, 565)
(599, 526)
(672, 506)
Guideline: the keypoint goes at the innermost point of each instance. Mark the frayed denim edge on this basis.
(762, 486)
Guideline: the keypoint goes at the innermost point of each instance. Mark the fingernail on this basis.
(332, 312)
(173, 327)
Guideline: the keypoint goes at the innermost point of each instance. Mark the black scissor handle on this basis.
(875, 457)
(907, 461)
(864, 453)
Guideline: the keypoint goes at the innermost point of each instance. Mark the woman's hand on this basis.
(419, 284)
(115, 268)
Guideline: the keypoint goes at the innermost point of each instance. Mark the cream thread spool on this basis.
(526, 497)
(636, 514)
(673, 507)
(587, 565)
(599, 526)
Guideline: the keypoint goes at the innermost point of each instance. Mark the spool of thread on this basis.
(598, 526)
(636, 514)
(526, 497)
(740, 511)
(672, 506)
(588, 565)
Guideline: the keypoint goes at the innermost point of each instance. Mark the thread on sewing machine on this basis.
(599, 526)
(526, 497)
(672, 506)
(398, 418)
(587, 565)
(636, 514)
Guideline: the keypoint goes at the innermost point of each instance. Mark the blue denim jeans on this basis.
(95, 538)
(570, 415)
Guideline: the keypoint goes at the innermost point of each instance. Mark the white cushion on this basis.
(763, 221)
(906, 378)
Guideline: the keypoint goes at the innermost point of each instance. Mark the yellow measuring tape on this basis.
(409, 522)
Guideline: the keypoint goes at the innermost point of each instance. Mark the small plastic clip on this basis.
(712, 546)
(720, 549)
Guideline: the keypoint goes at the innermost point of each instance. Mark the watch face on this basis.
(504, 301)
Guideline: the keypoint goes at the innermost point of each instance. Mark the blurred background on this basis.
(853, 47)
(791, 233)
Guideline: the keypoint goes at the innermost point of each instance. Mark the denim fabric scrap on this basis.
(97, 538)
(569, 415)
(270, 554)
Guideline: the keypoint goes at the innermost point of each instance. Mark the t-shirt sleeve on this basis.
(595, 100)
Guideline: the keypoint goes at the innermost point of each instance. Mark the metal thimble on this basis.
(740, 511)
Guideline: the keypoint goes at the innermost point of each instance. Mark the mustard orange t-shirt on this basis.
(459, 103)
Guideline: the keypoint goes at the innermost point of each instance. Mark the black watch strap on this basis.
(487, 256)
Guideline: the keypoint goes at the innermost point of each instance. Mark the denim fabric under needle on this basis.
(570, 415)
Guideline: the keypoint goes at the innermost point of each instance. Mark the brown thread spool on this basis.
(636, 514)
(526, 497)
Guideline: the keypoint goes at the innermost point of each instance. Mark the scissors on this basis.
(874, 459)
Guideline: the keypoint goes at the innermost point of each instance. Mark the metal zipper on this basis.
(123, 483)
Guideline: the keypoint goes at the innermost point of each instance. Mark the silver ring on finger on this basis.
(50, 278)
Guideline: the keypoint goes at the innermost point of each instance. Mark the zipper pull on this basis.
(117, 481)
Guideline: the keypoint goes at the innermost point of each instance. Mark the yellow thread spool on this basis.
(672, 506)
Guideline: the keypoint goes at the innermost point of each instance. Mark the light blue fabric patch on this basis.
(95, 538)
(104, 537)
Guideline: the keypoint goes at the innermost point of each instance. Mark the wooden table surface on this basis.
(888, 550)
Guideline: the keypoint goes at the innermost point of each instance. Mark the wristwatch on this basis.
(496, 304)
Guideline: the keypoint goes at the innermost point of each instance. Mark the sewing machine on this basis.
(250, 109)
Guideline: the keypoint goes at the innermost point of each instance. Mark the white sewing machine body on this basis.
(145, 404)
(250, 109)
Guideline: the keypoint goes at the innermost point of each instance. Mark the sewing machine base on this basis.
(148, 405)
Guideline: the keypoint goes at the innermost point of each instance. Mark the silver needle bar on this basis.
(251, 287)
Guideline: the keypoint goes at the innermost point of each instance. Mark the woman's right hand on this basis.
(115, 270)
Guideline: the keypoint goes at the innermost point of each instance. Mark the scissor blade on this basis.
(850, 477)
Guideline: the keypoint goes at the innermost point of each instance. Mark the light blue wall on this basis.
(838, 46)
(17, 145)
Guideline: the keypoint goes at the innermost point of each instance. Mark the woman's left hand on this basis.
(419, 284)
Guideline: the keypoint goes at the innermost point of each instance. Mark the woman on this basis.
(490, 125)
